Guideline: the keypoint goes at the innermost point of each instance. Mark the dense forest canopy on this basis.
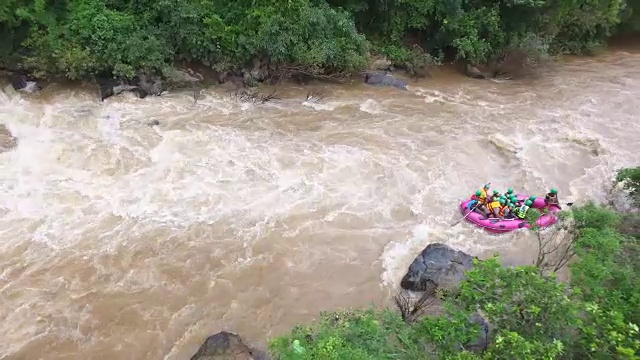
(82, 38)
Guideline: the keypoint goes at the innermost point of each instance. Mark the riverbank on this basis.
(133, 48)
(194, 77)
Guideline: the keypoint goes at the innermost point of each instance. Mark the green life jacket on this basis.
(522, 211)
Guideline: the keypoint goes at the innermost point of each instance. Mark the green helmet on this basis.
(487, 185)
(502, 198)
(496, 192)
(478, 193)
(510, 191)
(528, 203)
(554, 190)
(532, 198)
(502, 201)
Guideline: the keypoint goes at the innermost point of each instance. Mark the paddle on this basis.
(457, 222)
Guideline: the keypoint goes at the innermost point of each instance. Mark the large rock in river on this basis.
(438, 265)
(385, 80)
(227, 346)
(22, 83)
(7, 140)
(474, 73)
(111, 87)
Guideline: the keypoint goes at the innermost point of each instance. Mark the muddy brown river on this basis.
(120, 240)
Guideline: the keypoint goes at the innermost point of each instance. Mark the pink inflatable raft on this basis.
(504, 225)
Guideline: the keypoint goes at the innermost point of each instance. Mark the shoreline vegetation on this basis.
(148, 47)
(457, 307)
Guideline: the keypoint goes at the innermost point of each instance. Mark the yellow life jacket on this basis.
(482, 199)
(493, 205)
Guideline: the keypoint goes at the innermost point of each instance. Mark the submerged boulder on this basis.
(437, 265)
(227, 346)
(182, 76)
(474, 73)
(7, 140)
(383, 79)
(22, 83)
(151, 84)
(111, 87)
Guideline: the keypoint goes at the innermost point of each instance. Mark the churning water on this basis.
(120, 240)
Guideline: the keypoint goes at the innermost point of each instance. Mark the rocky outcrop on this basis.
(22, 83)
(514, 64)
(227, 346)
(7, 140)
(145, 84)
(474, 73)
(259, 73)
(437, 265)
(183, 76)
(381, 65)
(419, 71)
(384, 79)
(152, 84)
(111, 87)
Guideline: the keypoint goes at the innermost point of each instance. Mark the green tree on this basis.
(630, 180)
(83, 38)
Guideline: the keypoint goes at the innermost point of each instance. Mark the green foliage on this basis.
(608, 270)
(630, 17)
(587, 26)
(414, 59)
(355, 334)
(630, 180)
(318, 36)
(518, 299)
(510, 345)
(375, 334)
(82, 38)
